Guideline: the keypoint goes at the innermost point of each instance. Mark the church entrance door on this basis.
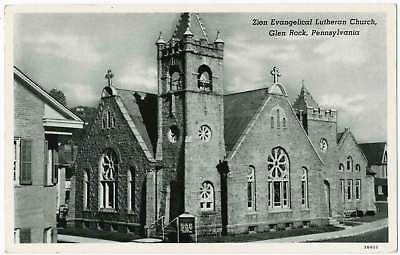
(327, 191)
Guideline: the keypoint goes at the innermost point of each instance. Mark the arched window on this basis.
(105, 120)
(207, 196)
(358, 168)
(175, 81)
(85, 189)
(251, 192)
(204, 79)
(108, 119)
(349, 163)
(278, 178)
(131, 189)
(341, 167)
(278, 114)
(304, 188)
(108, 169)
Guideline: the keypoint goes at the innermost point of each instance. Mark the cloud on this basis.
(138, 75)
(80, 94)
(353, 105)
(342, 51)
(67, 47)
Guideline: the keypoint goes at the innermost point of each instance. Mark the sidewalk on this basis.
(80, 239)
(356, 230)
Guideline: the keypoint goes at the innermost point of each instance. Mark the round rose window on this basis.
(205, 133)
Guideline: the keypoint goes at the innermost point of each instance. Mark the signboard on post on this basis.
(186, 225)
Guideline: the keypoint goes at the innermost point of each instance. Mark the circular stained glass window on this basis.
(204, 133)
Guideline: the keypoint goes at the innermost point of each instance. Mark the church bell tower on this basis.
(191, 127)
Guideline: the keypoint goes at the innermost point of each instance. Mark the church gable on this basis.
(350, 151)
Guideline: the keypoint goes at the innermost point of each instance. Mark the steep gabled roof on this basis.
(374, 152)
(304, 100)
(71, 120)
(239, 109)
(142, 109)
(190, 22)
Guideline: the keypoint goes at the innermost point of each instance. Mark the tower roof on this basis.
(305, 100)
(190, 23)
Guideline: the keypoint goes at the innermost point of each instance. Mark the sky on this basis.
(71, 52)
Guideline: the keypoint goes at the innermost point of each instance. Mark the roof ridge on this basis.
(246, 91)
(138, 91)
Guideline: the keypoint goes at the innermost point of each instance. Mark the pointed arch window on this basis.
(278, 169)
(278, 118)
(108, 169)
(304, 188)
(175, 80)
(341, 167)
(131, 189)
(207, 196)
(349, 163)
(85, 191)
(251, 192)
(204, 78)
(108, 119)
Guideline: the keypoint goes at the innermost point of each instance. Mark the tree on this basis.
(59, 96)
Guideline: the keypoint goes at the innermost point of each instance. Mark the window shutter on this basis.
(26, 161)
(54, 167)
(46, 160)
(25, 235)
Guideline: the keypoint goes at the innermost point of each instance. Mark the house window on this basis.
(207, 196)
(108, 170)
(50, 165)
(358, 189)
(304, 188)
(204, 79)
(349, 190)
(17, 159)
(25, 164)
(251, 193)
(380, 190)
(47, 235)
(278, 178)
(131, 189)
(358, 168)
(341, 167)
(349, 163)
(85, 191)
(342, 189)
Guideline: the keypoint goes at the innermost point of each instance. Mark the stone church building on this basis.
(247, 161)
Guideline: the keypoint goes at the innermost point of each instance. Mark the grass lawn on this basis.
(113, 236)
(378, 216)
(267, 235)
(379, 236)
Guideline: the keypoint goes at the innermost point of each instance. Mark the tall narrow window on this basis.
(304, 188)
(358, 168)
(17, 235)
(85, 190)
(272, 121)
(278, 119)
(251, 193)
(17, 159)
(47, 235)
(108, 179)
(341, 167)
(26, 162)
(278, 179)
(349, 163)
(284, 122)
(175, 82)
(358, 189)
(207, 196)
(104, 120)
(342, 189)
(349, 190)
(204, 79)
(131, 189)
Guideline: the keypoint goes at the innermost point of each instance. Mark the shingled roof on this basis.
(373, 152)
(239, 109)
(142, 108)
(190, 22)
(304, 100)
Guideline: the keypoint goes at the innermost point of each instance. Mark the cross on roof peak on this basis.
(275, 73)
(109, 75)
